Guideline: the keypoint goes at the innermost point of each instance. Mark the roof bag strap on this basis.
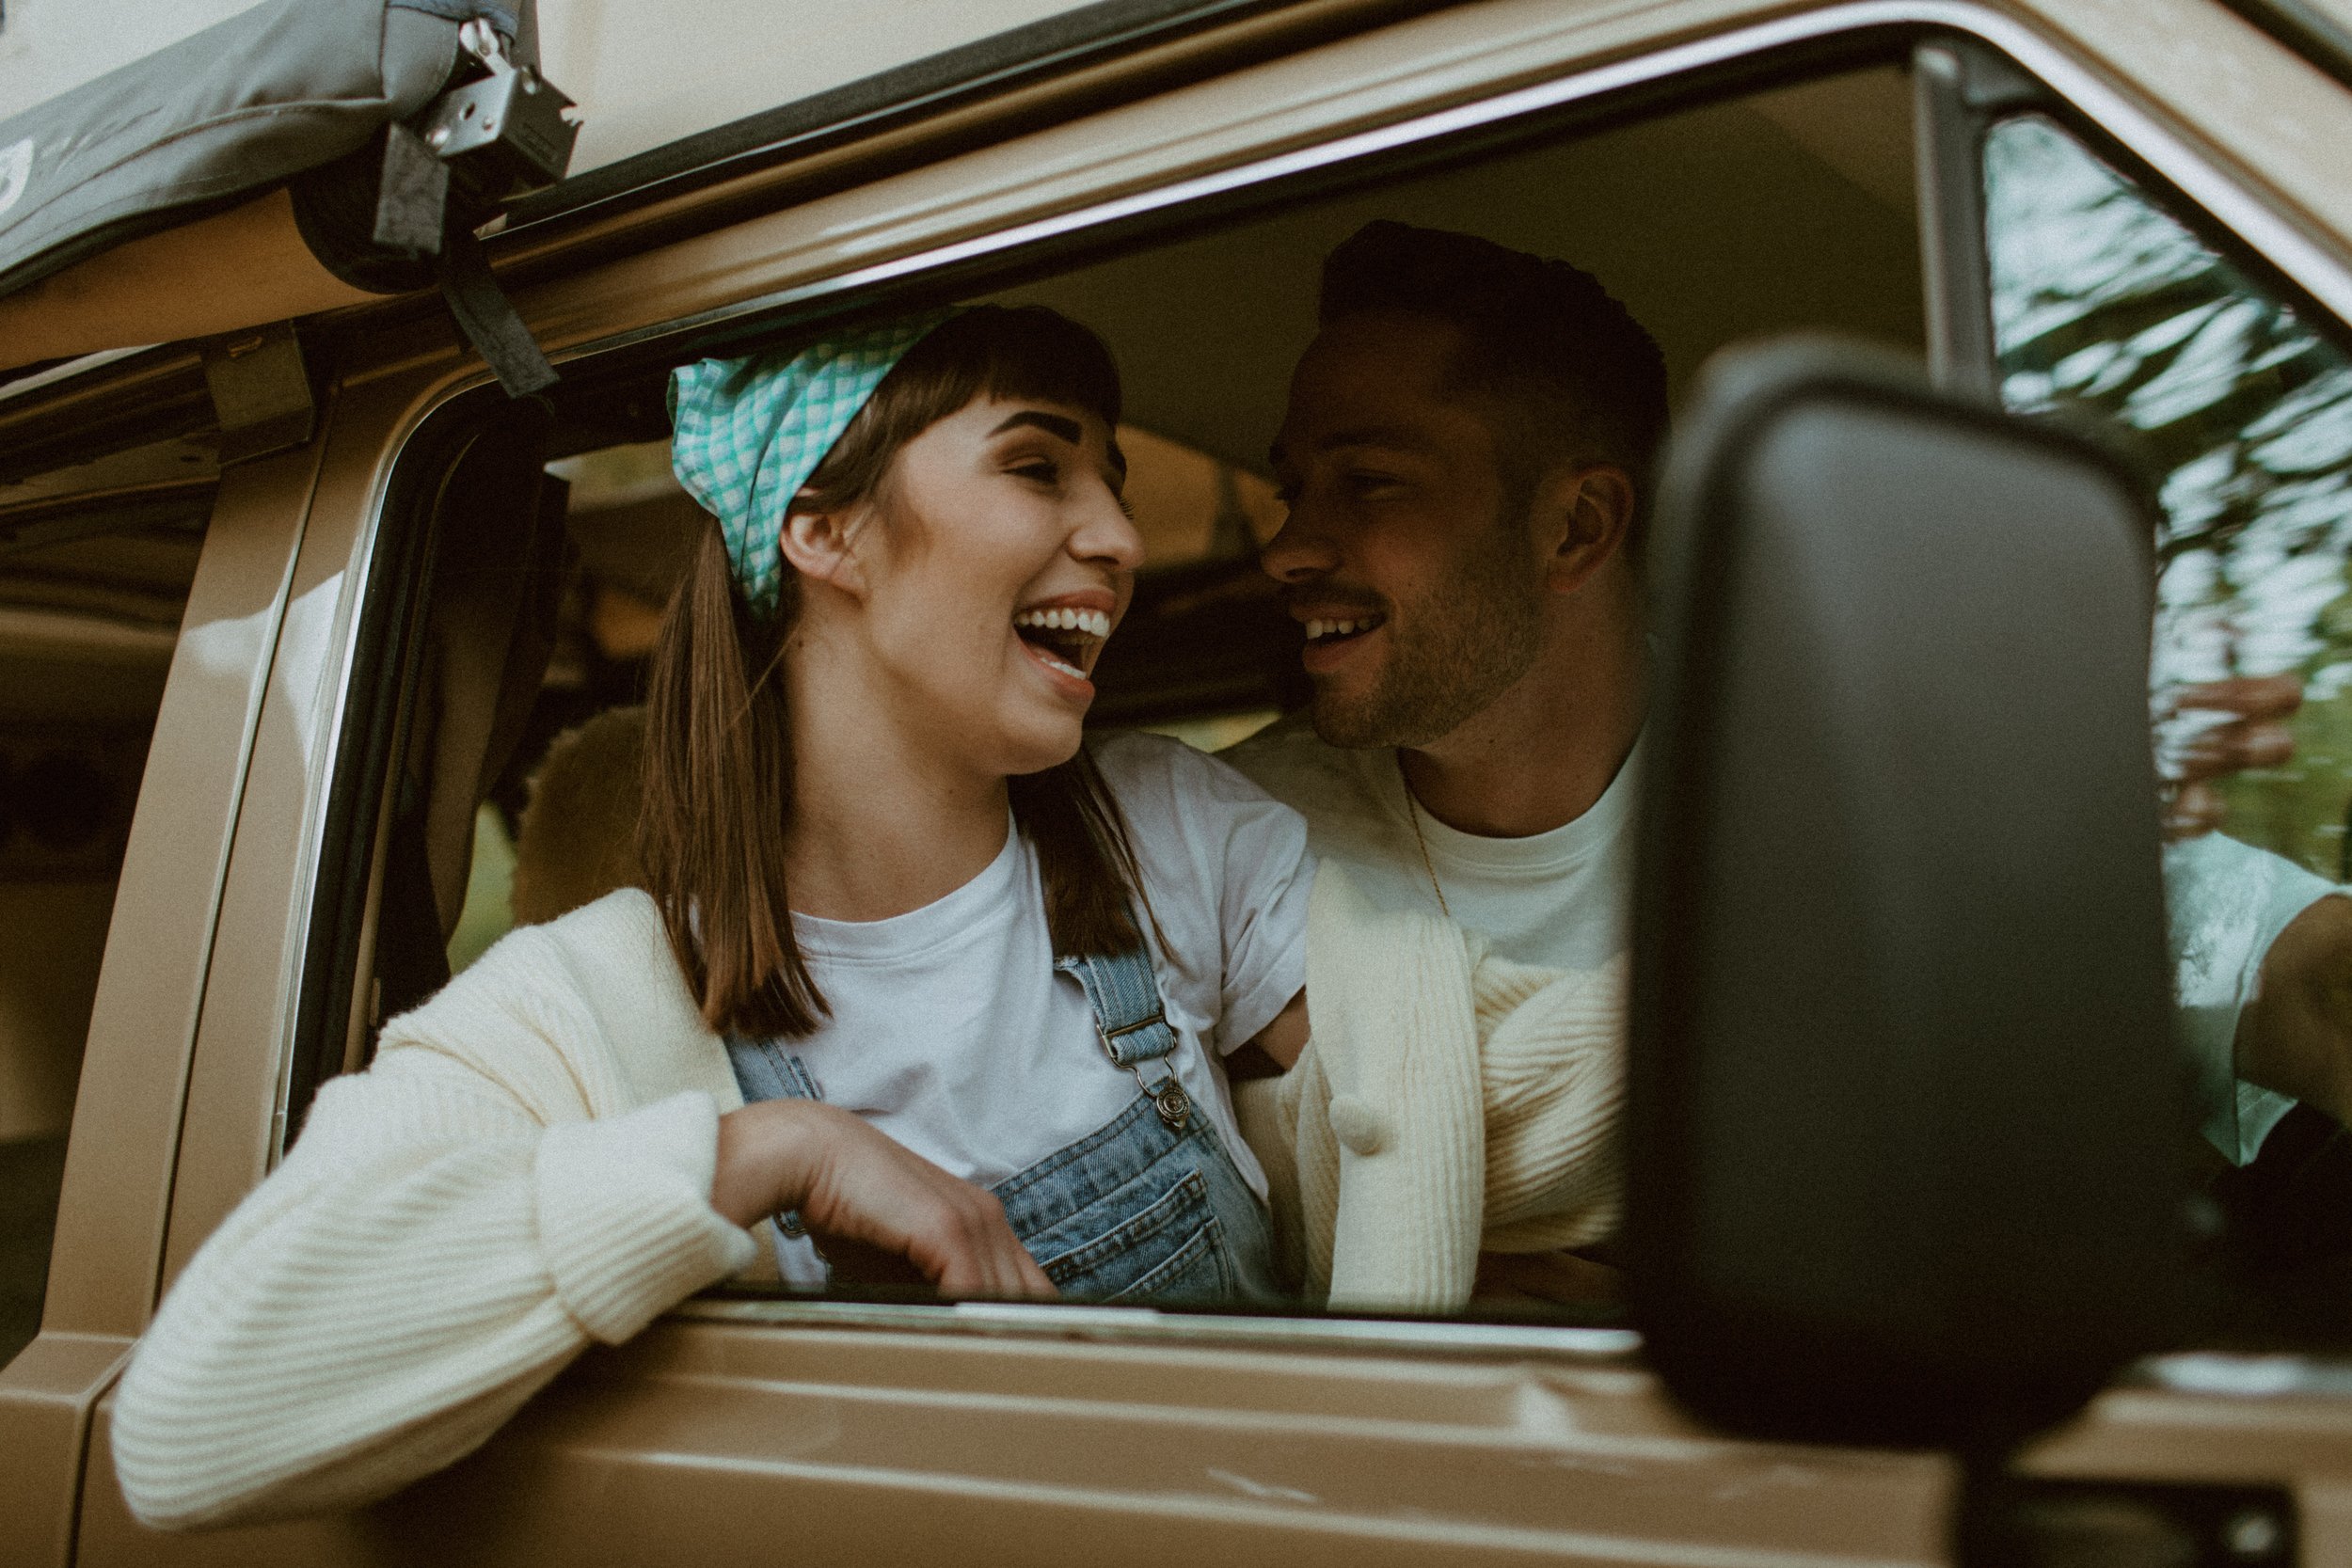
(488, 137)
(488, 318)
(403, 214)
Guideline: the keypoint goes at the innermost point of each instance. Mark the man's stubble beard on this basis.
(1458, 647)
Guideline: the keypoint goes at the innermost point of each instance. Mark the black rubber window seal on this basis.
(2324, 41)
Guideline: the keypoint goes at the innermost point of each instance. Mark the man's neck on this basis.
(1541, 754)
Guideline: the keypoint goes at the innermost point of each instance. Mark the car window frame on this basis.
(1986, 84)
(1741, 58)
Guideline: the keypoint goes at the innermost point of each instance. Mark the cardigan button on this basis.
(1363, 1130)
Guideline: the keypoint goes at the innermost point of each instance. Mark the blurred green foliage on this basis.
(2109, 313)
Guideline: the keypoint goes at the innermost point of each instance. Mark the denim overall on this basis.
(1147, 1209)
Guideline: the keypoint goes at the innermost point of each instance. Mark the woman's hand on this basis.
(850, 1180)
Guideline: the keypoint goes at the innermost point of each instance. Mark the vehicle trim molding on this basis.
(2309, 264)
(1054, 1320)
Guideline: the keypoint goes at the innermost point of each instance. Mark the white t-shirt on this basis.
(1560, 898)
(1564, 897)
(2229, 903)
(951, 1031)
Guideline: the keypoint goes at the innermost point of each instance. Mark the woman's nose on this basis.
(1107, 534)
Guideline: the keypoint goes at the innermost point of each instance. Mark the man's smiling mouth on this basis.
(1321, 632)
(1064, 639)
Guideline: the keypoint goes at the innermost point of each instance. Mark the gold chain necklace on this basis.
(1412, 814)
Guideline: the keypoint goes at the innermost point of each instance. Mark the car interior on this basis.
(1791, 210)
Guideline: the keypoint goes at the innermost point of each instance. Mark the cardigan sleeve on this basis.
(433, 1251)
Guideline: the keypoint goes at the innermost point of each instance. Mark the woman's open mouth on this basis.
(1064, 641)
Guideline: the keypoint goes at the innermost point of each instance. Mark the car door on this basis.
(742, 1427)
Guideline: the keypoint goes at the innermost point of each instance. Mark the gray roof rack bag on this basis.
(335, 99)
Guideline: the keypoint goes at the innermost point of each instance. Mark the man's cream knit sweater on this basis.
(1449, 1102)
(527, 1166)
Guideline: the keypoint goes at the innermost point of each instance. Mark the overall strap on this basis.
(764, 1069)
(1126, 1002)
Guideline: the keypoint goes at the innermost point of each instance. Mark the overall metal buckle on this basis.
(1169, 1101)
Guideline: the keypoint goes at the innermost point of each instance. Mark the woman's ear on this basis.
(816, 545)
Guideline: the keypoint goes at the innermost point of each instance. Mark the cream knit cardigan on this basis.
(525, 1169)
(1447, 1102)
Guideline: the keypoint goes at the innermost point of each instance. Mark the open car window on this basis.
(1788, 209)
(1731, 218)
(2236, 406)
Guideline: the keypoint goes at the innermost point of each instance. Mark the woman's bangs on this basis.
(1009, 352)
(1037, 353)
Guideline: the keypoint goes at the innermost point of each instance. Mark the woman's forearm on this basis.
(426, 1260)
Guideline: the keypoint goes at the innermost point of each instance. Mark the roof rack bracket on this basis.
(260, 390)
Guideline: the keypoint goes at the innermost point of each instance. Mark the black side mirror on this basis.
(1905, 1117)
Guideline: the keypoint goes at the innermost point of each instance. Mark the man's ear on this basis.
(817, 545)
(1586, 512)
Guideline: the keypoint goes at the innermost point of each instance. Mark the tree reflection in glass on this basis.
(2243, 416)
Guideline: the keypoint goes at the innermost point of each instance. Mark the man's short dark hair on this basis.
(1565, 370)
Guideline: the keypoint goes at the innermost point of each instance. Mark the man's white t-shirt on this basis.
(1560, 898)
(950, 1030)
(1564, 897)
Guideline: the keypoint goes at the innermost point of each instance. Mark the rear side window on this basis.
(2241, 412)
(2239, 408)
(93, 584)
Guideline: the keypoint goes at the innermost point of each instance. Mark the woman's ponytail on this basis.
(718, 792)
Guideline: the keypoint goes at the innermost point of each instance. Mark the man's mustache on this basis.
(1329, 596)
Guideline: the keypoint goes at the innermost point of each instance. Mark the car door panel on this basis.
(709, 1441)
(127, 1124)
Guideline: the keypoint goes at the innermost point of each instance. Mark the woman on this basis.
(915, 970)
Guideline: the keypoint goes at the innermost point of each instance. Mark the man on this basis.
(1458, 459)
(1461, 455)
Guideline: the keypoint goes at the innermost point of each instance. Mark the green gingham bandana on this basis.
(749, 432)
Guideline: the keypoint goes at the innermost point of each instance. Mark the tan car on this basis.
(288, 618)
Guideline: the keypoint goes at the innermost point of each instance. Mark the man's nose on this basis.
(1301, 550)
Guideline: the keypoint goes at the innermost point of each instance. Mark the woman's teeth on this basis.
(1063, 638)
(1093, 623)
(1316, 630)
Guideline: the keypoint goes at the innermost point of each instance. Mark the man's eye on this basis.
(1039, 470)
(1367, 483)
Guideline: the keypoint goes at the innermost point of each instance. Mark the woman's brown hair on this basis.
(718, 769)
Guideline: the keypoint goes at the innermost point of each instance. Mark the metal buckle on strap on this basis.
(1107, 1036)
(1169, 1098)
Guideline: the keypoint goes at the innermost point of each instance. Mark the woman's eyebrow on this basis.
(1053, 424)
